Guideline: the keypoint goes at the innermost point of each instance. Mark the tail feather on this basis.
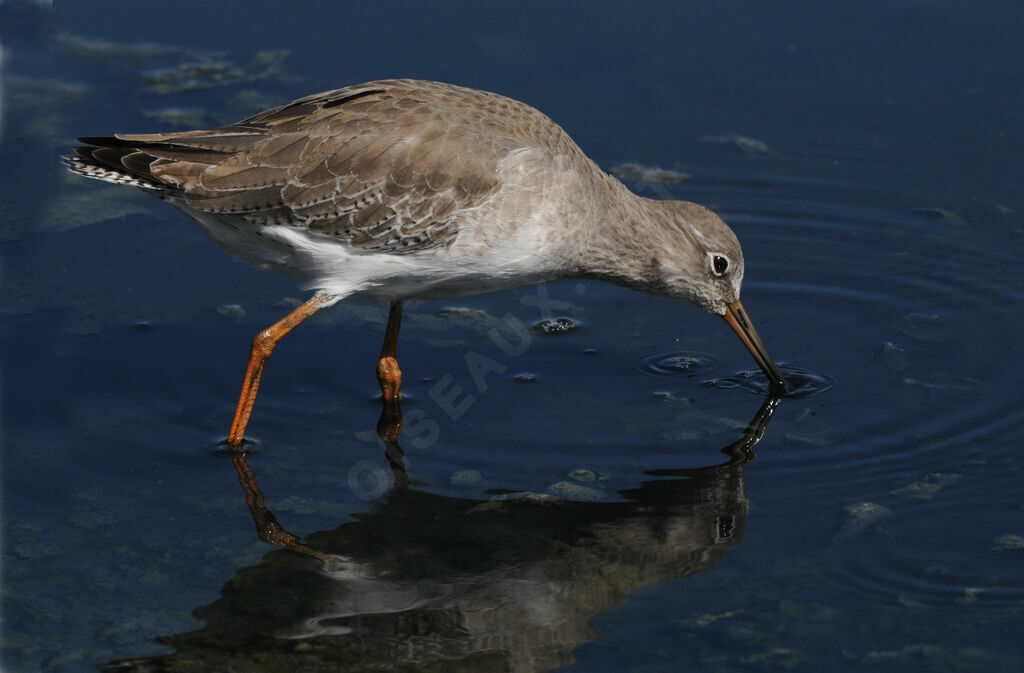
(158, 161)
(84, 165)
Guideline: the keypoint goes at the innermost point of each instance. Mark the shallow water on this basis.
(565, 504)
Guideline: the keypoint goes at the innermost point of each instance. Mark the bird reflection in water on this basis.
(429, 582)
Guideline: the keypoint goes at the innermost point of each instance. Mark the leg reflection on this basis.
(725, 477)
(267, 527)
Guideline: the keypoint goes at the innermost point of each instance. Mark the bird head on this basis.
(701, 263)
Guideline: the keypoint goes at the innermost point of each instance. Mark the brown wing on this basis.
(385, 165)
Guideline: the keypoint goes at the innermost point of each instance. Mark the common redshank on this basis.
(405, 189)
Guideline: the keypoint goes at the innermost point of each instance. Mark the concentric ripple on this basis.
(676, 363)
(901, 297)
(801, 381)
(906, 298)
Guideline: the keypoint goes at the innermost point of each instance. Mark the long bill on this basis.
(740, 323)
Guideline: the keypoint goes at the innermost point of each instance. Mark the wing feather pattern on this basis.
(385, 166)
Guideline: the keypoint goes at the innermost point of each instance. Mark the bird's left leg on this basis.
(262, 346)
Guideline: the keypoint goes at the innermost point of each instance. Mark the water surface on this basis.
(571, 508)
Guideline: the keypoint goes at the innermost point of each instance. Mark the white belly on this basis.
(467, 266)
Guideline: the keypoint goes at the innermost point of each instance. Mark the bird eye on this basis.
(719, 265)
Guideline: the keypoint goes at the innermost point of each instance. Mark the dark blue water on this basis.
(567, 504)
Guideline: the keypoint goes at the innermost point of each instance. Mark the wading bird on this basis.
(404, 189)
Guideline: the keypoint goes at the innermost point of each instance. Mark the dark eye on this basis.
(719, 265)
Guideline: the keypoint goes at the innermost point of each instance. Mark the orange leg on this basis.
(390, 378)
(262, 347)
(388, 374)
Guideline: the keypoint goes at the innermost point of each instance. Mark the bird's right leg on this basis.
(389, 376)
(262, 346)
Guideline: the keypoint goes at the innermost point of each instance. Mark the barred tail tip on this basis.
(91, 170)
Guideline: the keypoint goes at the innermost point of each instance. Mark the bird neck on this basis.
(625, 240)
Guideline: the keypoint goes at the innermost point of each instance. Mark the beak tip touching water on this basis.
(737, 319)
